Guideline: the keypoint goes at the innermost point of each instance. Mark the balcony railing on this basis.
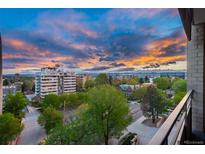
(177, 129)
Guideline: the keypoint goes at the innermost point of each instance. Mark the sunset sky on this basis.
(91, 39)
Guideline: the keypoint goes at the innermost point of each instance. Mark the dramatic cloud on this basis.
(91, 39)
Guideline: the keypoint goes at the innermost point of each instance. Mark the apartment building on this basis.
(54, 80)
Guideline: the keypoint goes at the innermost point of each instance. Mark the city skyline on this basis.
(92, 39)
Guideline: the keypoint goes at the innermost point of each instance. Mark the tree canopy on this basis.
(15, 104)
(104, 116)
(107, 111)
(6, 82)
(36, 101)
(51, 100)
(59, 136)
(139, 93)
(76, 132)
(162, 82)
(179, 85)
(89, 84)
(141, 81)
(178, 97)
(116, 82)
(79, 85)
(10, 127)
(131, 81)
(146, 79)
(73, 99)
(153, 103)
(27, 85)
(102, 79)
(50, 118)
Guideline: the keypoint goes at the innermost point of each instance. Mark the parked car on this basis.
(129, 139)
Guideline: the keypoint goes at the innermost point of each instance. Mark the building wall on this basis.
(69, 84)
(49, 84)
(55, 84)
(195, 75)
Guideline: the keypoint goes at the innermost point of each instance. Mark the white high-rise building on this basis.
(54, 80)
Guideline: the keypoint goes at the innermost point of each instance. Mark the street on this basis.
(135, 110)
(32, 133)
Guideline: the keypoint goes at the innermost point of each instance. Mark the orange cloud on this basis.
(26, 48)
(89, 62)
(16, 43)
(156, 47)
(142, 60)
(63, 58)
(156, 52)
(38, 64)
(40, 58)
(78, 28)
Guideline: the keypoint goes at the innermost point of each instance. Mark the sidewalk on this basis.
(145, 133)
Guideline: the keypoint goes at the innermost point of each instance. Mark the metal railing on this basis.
(178, 126)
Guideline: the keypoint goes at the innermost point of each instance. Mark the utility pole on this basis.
(64, 120)
(1, 80)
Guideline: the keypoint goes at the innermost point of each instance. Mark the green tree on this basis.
(89, 84)
(36, 101)
(79, 85)
(10, 127)
(82, 97)
(73, 99)
(15, 104)
(174, 79)
(178, 97)
(146, 79)
(58, 136)
(107, 112)
(131, 81)
(134, 80)
(76, 99)
(51, 100)
(6, 82)
(139, 93)
(50, 118)
(169, 104)
(64, 99)
(162, 82)
(179, 85)
(27, 85)
(110, 78)
(104, 115)
(116, 82)
(141, 81)
(124, 80)
(76, 132)
(101, 79)
(153, 103)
